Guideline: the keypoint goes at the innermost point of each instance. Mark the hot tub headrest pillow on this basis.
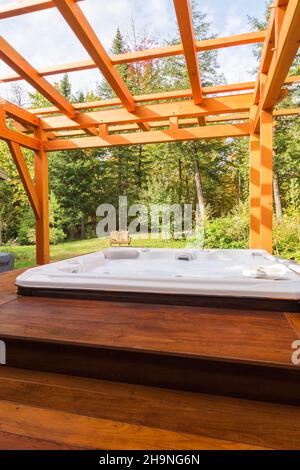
(121, 253)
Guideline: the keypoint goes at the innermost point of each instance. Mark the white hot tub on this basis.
(223, 278)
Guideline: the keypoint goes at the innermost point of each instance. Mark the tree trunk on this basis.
(180, 180)
(139, 166)
(82, 229)
(187, 189)
(199, 191)
(277, 198)
(120, 174)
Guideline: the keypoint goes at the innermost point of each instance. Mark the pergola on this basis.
(231, 110)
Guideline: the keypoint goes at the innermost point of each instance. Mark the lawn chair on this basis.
(119, 238)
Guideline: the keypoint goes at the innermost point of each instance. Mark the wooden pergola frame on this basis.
(233, 110)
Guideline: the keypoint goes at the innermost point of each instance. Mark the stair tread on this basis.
(148, 416)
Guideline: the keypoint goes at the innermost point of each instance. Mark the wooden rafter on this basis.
(19, 114)
(162, 96)
(9, 55)
(149, 54)
(285, 112)
(276, 62)
(184, 20)
(84, 32)
(137, 138)
(210, 106)
(19, 138)
(22, 7)
(287, 47)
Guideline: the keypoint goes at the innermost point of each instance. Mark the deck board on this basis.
(96, 433)
(253, 423)
(38, 409)
(246, 336)
(9, 441)
(294, 321)
(7, 281)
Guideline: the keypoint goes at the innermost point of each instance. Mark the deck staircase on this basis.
(92, 375)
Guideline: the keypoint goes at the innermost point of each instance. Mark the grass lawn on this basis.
(25, 255)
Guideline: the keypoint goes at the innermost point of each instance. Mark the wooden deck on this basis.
(92, 375)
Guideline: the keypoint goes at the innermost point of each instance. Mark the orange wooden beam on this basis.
(19, 114)
(175, 94)
(164, 123)
(24, 174)
(42, 189)
(162, 96)
(17, 62)
(21, 139)
(254, 183)
(185, 23)
(201, 46)
(286, 112)
(267, 52)
(182, 122)
(210, 106)
(138, 138)
(148, 54)
(266, 179)
(86, 35)
(287, 44)
(23, 7)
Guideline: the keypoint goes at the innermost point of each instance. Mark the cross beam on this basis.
(137, 138)
(162, 96)
(25, 6)
(148, 54)
(210, 106)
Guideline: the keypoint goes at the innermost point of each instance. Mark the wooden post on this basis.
(266, 176)
(254, 183)
(41, 184)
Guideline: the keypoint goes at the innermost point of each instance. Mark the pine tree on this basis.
(65, 87)
(104, 90)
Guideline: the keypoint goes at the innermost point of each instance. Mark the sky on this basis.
(44, 38)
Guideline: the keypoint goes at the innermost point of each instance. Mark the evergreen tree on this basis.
(65, 87)
(104, 90)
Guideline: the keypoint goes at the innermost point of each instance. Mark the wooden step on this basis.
(244, 354)
(9, 441)
(75, 412)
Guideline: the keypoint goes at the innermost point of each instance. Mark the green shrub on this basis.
(26, 232)
(286, 236)
(57, 235)
(230, 231)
